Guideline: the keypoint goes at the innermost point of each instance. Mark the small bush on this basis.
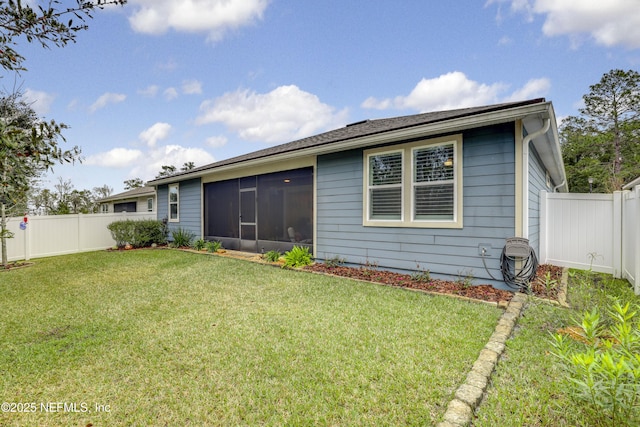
(272, 256)
(299, 256)
(138, 233)
(421, 276)
(213, 246)
(199, 244)
(602, 364)
(336, 261)
(181, 237)
(148, 232)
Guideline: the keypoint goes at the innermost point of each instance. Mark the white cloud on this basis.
(40, 101)
(191, 87)
(505, 41)
(284, 114)
(216, 141)
(106, 99)
(175, 155)
(155, 133)
(170, 93)
(150, 91)
(534, 88)
(609, 23)
(115, 158)
(455, 90)
(212, 17)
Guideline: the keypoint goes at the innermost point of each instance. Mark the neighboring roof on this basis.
(632, 184)
(131, 194)
(339, 139)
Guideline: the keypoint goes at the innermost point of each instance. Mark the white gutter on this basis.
(525, 174)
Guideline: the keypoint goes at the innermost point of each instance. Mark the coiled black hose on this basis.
(521, 279)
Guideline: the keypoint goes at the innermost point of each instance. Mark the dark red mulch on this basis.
(479, 292)
(14, 265)
(547, 287)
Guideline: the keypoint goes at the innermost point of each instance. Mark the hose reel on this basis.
(518, 263)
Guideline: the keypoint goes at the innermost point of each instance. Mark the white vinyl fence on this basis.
(592, 231)
(63, 234)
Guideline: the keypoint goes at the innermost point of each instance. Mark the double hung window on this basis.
(174, 203)
(417, 184)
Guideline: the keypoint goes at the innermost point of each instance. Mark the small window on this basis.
(150, 204)
(174, 202)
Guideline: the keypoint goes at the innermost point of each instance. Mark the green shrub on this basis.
(299, 256)
(213, 246)
(272, 256)
(199, 244)
(602, 367)
(149, 231)
(138, 233)
(181, 237)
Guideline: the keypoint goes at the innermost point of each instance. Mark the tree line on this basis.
(65, 199)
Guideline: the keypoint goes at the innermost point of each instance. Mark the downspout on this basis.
(555, 189)
(525, 174)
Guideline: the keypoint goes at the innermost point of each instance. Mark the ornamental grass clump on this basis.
(601, 361)
(181, 237)
(272, 256)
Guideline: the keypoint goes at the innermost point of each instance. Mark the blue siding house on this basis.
(438, 191)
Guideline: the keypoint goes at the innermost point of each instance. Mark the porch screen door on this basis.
(248, 235)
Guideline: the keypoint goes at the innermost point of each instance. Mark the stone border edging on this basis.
(469, 395)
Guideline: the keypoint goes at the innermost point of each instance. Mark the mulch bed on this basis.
(15, 265)
(477, 292)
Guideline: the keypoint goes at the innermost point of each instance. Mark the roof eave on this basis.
(426, 129)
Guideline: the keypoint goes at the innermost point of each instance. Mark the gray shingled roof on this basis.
(130, 194)
(361, 129)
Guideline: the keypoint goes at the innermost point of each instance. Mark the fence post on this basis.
(27, 238)
(542, 250)
(618, 206)
(636, 246)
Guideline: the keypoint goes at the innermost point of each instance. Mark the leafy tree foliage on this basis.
(66, 199)
(167, 170)
(28, 145)
(187, 166)
(603, 142)
(28, 148)
(47, 25)
(130, 184)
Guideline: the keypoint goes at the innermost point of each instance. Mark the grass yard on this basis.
(527, 387)
(163, 337)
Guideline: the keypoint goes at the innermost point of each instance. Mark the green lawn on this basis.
(163, 337)
(527, 387)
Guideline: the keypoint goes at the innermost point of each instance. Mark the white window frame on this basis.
(407, 194)
(150, 204)
(104, 208)
(177, 202)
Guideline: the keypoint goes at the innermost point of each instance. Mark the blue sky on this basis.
(169, 81)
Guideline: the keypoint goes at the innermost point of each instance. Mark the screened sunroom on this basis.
(260, 213)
